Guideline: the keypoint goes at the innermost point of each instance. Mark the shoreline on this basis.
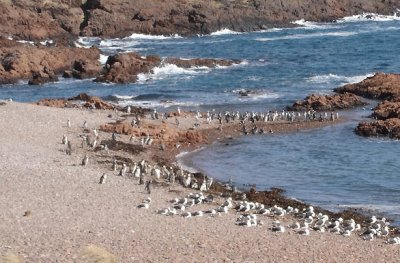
(50, 195)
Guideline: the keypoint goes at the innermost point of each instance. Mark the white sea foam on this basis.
(103, 59)
(328, 78)
(151, 37)
(314, 25)
(225, 31)
(156, 103)
(254, 94)
(166, 70)
(369, 17)
(86, 42)
(311, 35)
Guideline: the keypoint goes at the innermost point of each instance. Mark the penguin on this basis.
(103, 179)
(85, 160)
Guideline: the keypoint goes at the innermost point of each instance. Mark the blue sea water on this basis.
(331, 167)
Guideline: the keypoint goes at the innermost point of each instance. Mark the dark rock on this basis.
(328, 102)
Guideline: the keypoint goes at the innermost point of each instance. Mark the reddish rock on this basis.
(61, 19)
(45, 62)
(389, 128)
(328, 102)
(56, 103)
(83, 69)
(200, 62)
(46, 75)
(120, 17)
(380, 86)
(124, 68)
(93, 102)
(387, 110)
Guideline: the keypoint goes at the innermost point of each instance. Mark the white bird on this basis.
(69, 123)
(145, 206)
(85, 160)
(385, 231)
(64, 140)
(137, 172)
(163, 211)
(346, 233)
(187, 214)
(304, 232)
(393, 240)
(96, 133)
(197, 213)
(122, 172)
(147, 200)
(295, 225)
(103, 179)
(278, 228)
(369, 237)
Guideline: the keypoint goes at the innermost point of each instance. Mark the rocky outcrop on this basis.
(387, 110)
(381, 86)
(83, 69)
(40, 64)
(90, 102)
(385, 87)
(121, 17)
(61, 19)
(328, 102)
(125, 67)
(201, 62)
(389, 128)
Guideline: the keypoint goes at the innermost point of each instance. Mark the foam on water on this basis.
(370, 17)
(103, 59)
(225, 31)
(329, 78)
(167, 70)
(151, 37)
(310, 35)
(314, 25)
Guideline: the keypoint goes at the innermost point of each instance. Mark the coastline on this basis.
(49, 195)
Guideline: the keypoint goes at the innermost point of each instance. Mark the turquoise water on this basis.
(331, 167)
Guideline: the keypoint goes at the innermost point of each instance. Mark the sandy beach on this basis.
(52, 208)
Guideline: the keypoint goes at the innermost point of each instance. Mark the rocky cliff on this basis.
(63, 19)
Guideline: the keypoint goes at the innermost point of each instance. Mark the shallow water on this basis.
(331, 167)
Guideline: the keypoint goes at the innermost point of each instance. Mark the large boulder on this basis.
(387, 110)
(381, 86)
(125, 67)
(328, 102)
(389, 128)
(83, 69)
(40, 64)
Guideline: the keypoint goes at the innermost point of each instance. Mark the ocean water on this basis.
(331, 167)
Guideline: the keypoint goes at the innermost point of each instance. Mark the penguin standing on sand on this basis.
(85, 160)
(103, 179)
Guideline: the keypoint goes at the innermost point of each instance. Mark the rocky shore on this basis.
(384, 87)
(62, 20)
